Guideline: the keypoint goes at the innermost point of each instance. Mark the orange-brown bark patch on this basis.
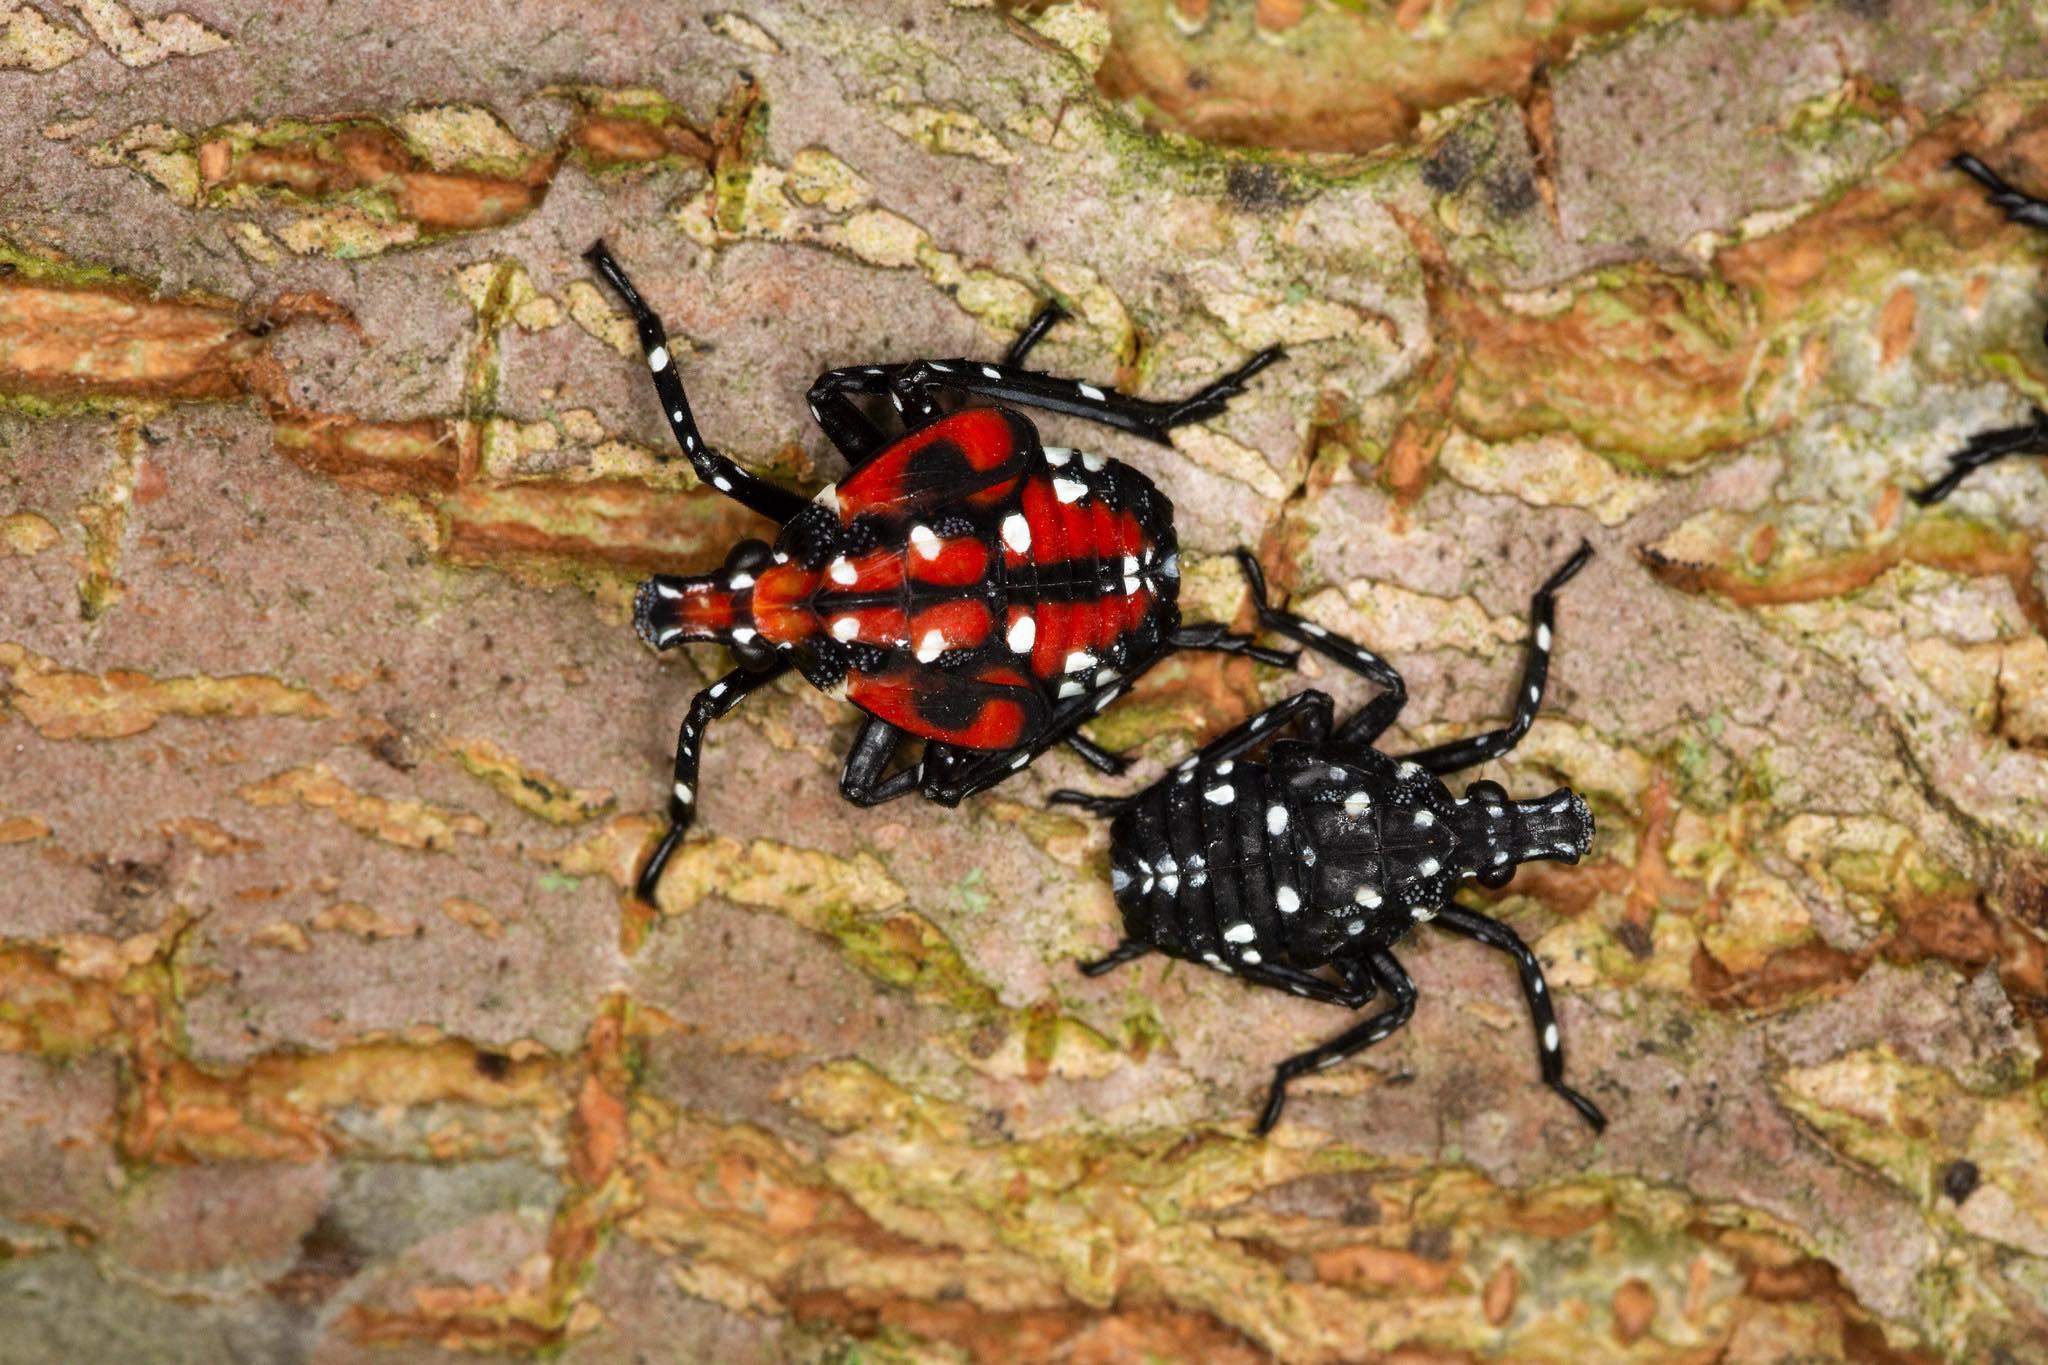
(430, 454)
(116, 340)
(332, 161)
(1076, 1336)
(602, 521)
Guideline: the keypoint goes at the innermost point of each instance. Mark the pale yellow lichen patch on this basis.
(1760, 914)
(64, 704)
(145, 42)
(1553, 470)
(516, 299)
(2002, 684)
(25, 533)
(1034, 1048)
(1082, 29)
(30, 42)
(464, 137)
(353, 917)
(528, 788)
(1096, 304)
(1390, 619)
(802, 882)
(819, 179)
(1063, 837)
(1588, 761)
(157, 151)
(1256, 321)
(96, 957)
(208, 837)
(282, 935)
(346, 232)
(949, 132)
(744, 31)
(22, 829)
(588, 309)
(1233, 459)
(613, 852)
(252, 241)
(471, 915)
(408, 823)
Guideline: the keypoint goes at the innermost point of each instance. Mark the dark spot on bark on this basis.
(1449, 166)
(127, 889)
(1360, 1214)
(328, 1259)
(1635, 938)
(1256, 189)
(1198, 80)
(1511, 192)
(1431, 1243)
(495, 1066)
(984, 1041)
(1959, 1180)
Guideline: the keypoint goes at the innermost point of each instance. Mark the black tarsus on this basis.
(1353, 1040)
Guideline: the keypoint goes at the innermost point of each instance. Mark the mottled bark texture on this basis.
(330, 1031)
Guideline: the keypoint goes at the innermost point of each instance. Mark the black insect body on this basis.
(2029, 437)
(1326, 853)
(963, 584)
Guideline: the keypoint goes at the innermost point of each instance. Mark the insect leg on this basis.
(1097, 757)
(1371, 720)
(1549, 1050)
(1209, 635)
(777, 504)
(1987, 447)
(1088, 801)
(708, 705)
(847, 426)
(1148, 417)
(1356, 991)
(2020, 208)
(861, 781)
(1034, 331)
(1353, 1040)
(1124, 952)
(1464, 753)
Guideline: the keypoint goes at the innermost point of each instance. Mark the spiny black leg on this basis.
(861, 781)
(1211, 636)
(2020, 208)
(1356, 991)
(1986, 447)
(1088, 801)
(834, 411)
(777, 504)
(1373, 718)
(1124, 952)
(1151, 418)
(1549, 1047)
(708, 705)
(1464, 753)
(1351, 1041)
(1097, 757)
(1256, 729)
(1034, 332)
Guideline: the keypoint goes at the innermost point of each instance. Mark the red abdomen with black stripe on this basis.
(965, 585)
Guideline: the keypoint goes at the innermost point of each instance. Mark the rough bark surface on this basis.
(326, 750)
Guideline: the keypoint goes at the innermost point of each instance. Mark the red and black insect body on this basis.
(963, 584)
(2031, 436)
(1328, 852)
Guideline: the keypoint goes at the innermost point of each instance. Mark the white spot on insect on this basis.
(1566, 851)
(1225, 768)
(1070, 688)
(1104, 677)
(871, 369)
(1560, 806)
(1195, 862)
(991, 372)
(1131, 584)
(1020, 760)
(1130, 563)
(931, 646)
(1550, 1037)
(1169, 567)
(717, 690)
(1169, 885)
(667, 590)
(677, 415)
(1017, 532)
(846, 628)
(1367, 896)
(1535, 693)
(1090, 392)
(1287, 899)
(1092, 462)
(1500, 857)
(1251, 957)
(1068, 490)
(1276, 819)
(1536, 986)
(925, 540)
(1182, 779)
(1212, 959)
(1199, 880)
(940, 366)
(1356, 926)
(1408, 772)
(1080, 661)
(1428, 867)
(1494, 812)
(668, 637)
(1102, 702)
(1118, 879)
(743, 634)
(722, 484)
(1308, 856)
(684, 794)
(1311, 628)
(1023, 632)
(842, 571)
(1357, 804)
(1543, 637)
(740, 580)
(1167, 864)
(828, 496)
(1240, 932)
(1220, 796)
(781, 558)
(1424, 819)
(1057, 456)
(1422, 914)
(690, 441)
(657, 359)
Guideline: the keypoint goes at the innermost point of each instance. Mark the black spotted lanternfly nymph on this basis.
(1328, 852)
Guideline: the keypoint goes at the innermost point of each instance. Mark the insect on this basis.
(1328, 852)
(963, 584)
(2031, 436)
